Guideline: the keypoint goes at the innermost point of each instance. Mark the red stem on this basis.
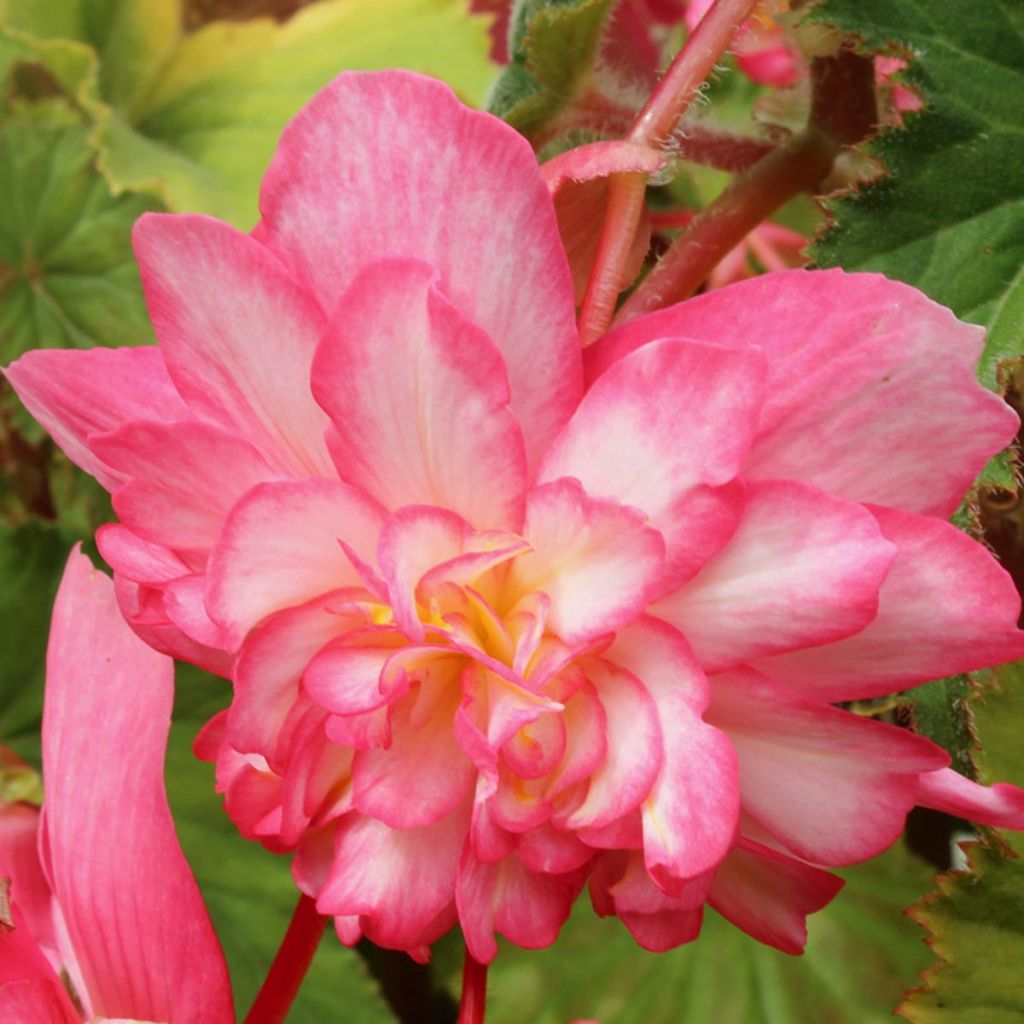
(842, 112)
(666, 105)
(286, 974)
(474, 991)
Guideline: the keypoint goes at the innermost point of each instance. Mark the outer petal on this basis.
(690, 816)
(150, 953)
(854, 360)
(392, 164)
(968, 621)
(664, 419)
(183, 479)
(769, 895)
(78, 394)
(803, 568)
(237, 333)
(1001, 805)
(506, 897)
(35, 1002)
(597, 561)
(418, 398)
(400, 883)
(280, 547)
(833, 786)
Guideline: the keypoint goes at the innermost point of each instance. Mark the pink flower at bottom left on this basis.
(133, 935)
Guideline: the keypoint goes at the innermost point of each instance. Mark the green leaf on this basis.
(67, 274)
(194, 117)
(949, 215)
(942, 711)
(554, 47)
(976, 926)
(860, 952)
(32, 559)
(248, 891)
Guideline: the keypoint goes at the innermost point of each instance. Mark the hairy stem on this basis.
(287, 972)
(842, 112)
(688, 72)
(474, 991)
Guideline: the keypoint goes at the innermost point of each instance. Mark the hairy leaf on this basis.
(948, 216)
(860, 950)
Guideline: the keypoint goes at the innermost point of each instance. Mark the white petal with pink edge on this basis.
(418, 399)
(280, 547)
(832, 786)
(946, 606)
(396, 166)
(803, 568)
(690, 815)
(597, 561)
(238, 335)
(854, 361)
(77, 394)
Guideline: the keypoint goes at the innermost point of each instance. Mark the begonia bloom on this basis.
(502, 619)
(134, 937)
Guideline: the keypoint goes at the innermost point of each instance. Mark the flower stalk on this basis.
(474, 991)
(287, 972)
(842, 112)
(669, 101)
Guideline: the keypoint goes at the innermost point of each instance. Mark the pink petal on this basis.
(803, 568)
(769, 895)
(238, 335)
(418, 399)
(1000, 805)
(663, 420)
(833, 786)
(279, 547)
(19, 861)
(358, 164)
(399, 882)
(505, 897)
(270, 667)
(136, 559)
(854, 360)
(597, 561)
(108, 834)
(634, 747)
(35, 1002)
(667, 419)
(183, 479)
(690, 815)
(422, 777)
(968, 621)
(658, 922)
(77, 394)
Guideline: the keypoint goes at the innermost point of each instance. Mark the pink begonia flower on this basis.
(501, 619)
(132, 933)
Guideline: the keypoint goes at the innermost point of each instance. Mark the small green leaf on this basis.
(942, 711)
(948, 216)
(32, 559)
(248, 891)
(859, 952)
(976, 926)
(554, 47)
